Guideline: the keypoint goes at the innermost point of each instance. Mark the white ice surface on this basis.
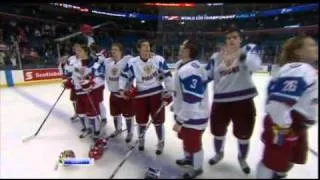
(24, 108)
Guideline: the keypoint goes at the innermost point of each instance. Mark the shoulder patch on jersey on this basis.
(195, 65)
(295, 65)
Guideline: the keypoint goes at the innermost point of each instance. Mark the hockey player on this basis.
(96, 94)
(102, 56)
(65, 68)
(99, 69)
(119, 105)
(291, 108)
(149, 73)
(191, 107)
(231, 70)
(83, 79)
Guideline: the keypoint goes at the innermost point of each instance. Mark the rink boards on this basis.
(10, 78)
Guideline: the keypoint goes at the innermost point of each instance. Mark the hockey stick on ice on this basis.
(45, 119)
(110, 136)
(136, 143)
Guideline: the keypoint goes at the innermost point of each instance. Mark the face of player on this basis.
(116, 53)
(80, 53)
(233, 40)
(144, 49)
(181, 48)
(184, 52)
(74, 47)
(309, 51)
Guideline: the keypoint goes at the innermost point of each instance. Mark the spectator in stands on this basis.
(3, 50)
(34, 56)
(2, 56)
(1, 36)
(13, 59)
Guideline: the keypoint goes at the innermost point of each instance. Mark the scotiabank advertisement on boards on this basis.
(41, 74)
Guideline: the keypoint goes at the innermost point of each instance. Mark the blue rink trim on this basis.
(141, 159)
(9, 78)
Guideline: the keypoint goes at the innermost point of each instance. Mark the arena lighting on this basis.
(171, 4)
(214, 4)
(139, 16)
(292, 26)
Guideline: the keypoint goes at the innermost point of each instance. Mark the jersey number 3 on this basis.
(290, 85)
(194, 83)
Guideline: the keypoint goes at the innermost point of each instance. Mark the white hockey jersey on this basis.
(234, 83)
(113, 71)
(147, 74)
(66, 69)
(294, 87)
(80, 71)
(99, 70)
(191, 103)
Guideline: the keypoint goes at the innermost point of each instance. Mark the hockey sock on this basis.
(129, 122)
(83, 122)
(103, 112)
(141, 131)
(74, 106)
(160, 131)
(219, 144)
(117, 122)
(197, 160)
(94, 124)
(243, 148)
(187, 155)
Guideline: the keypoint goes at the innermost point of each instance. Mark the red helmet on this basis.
(86, 29)
(96, 152)
(101, 143)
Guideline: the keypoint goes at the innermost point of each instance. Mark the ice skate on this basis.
(160, 147)
(244, 165)
(129, 137)
(217, 158)
(85, 132)
(193, 174)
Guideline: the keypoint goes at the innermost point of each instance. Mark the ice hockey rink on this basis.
(24, 108)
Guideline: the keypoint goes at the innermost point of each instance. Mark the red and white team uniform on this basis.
(84, 79)
(65, 69)
(191, 110)
(234, 91)
(292, 107)
(100, 79)
(118, 105)
(147, 75)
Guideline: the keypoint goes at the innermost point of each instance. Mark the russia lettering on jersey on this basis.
(147, 75)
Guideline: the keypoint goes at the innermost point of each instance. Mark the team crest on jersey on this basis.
(150, 73)
(148, 69)
(114, 71)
